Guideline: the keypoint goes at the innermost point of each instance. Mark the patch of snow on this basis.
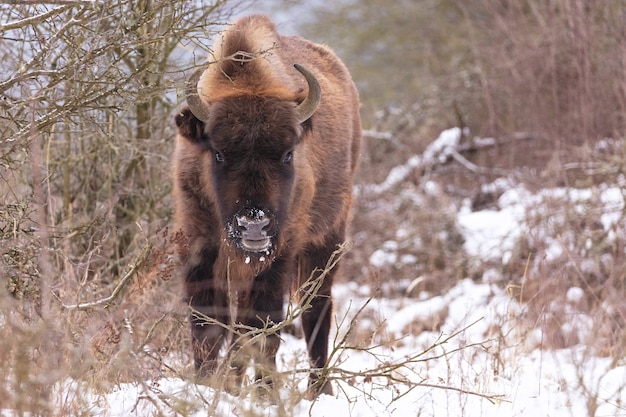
(408, 259)
(575, 295)
(402, 233)
(399, 320)
(441, 148)
(554, 250)
(432, 188)
(459, 371)
(382, 258)
(613, 200)
(390, 245)
(489, 233)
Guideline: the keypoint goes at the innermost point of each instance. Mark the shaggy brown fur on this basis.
(251, 167)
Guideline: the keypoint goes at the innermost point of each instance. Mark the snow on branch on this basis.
(437, 152)
(447, 146)
(375, 134)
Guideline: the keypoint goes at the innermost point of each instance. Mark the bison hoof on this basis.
(264, 391)
(318, 387)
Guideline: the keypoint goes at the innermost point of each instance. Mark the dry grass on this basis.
(91, 300)
(568, 265)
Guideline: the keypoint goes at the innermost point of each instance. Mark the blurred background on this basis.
(88, 91)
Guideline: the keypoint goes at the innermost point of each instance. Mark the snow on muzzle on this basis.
(253, 231)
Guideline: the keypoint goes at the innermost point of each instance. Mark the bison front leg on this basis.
(260, 309)
(207, 330)
(316, 321)
(268, 309)
(209, 310)
(316, 325)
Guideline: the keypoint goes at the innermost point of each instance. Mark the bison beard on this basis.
(263, 169)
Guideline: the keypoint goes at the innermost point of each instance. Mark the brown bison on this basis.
(264, 162)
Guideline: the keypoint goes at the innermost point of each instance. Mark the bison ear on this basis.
(189, 126)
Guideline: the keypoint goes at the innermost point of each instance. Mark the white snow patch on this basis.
(439, 150)
(489, 233)
(442, 147)
(408, 259)
(382, 258)
(575, 295)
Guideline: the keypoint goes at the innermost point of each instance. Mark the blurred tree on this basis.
(92, 87)
(401, 53)
(87, 92)
(555, 68)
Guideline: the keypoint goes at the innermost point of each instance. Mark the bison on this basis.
(263, 168)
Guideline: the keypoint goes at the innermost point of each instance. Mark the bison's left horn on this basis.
(195, 103)
(306, 109)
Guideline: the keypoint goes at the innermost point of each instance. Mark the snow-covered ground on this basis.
(463, 353)
(465, 369)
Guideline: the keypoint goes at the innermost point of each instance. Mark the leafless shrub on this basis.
(557, 69)
(405, 233)
(566, 267)
(86, 98)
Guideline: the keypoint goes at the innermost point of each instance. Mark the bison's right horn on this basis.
(198, 107)
(306, 109)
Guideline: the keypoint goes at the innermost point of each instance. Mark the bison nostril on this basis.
(253, 229)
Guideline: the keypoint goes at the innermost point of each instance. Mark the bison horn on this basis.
(195, 103)
(308, 106)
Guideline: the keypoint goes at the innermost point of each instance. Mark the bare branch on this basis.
(61, 2)
(33, 19)
(473, 167)
(375, 134)
(134, 267)
(489, 397)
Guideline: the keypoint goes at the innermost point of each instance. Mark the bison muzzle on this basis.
(263, 168)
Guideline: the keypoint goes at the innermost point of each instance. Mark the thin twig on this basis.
(61, 2)
(375, 134)
(473, 167)
(106, 301)
(33, 19)
(490, 398)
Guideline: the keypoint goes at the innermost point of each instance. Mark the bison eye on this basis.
(219, 158)
(287, 158)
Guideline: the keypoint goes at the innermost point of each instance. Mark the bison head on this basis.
(248, 145)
